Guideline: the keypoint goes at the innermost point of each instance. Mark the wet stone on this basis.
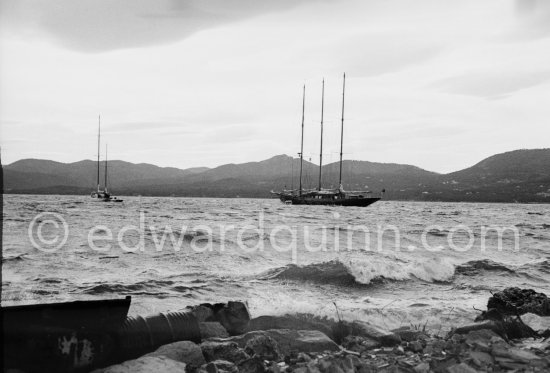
(461, 368)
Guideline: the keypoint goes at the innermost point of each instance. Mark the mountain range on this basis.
(516, 176)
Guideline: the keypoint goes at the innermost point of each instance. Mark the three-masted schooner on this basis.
(102, 195)
(320, 196)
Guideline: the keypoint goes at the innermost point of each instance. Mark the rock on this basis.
(363, 329)
(212, 329)
(409, 335)
(495, 326)
(290, 340)
(415, 346)
(515, 329)
(538, 323)
(359, 344)
(211, 368)
(263, 347)
(223, 350)
(461, 368)
(334, 364)
(294, 322)
(184, 351)
(481, 336)
(481, 359)
(422, 368)
(441, 364)
(221, 366)
(234, 317)
(515, 301)
(252, 365)
(490, 314)
(509, 364)
(202, 312)
(398, 350)
(146, 364)
(515, 354)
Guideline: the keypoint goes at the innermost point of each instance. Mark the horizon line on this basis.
(278, 155)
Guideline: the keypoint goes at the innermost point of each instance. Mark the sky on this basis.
(438, 84)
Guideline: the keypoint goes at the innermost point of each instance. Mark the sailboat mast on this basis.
(98, 149)
(105, 168)
(321, 151)
(302, 146)
(342, 130)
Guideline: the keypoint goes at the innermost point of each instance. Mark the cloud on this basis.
(104, 25)
(491, 85)
(533, 18)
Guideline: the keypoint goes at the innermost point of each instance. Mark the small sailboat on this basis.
(102, 195)
(320, 196)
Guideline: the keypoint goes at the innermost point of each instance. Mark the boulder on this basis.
(481, 359)
(263, 347)
(291, 340)
(484, 336)
(223, 350)
(422, 368)
(490, 314)
(221, 366)
(184, 351)
(202, 312)
(337, 365)
(461, 368)
(252, 365)
(212, 329)
(409, 335)
(146, 364)
(494, 326)
(385, 337)
(234, 317)
(359, 344)
(515, 354)
(515, 328)
(538, 323)
(415, 346)
(515, 301)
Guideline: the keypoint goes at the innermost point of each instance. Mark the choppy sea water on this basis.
(392, 263)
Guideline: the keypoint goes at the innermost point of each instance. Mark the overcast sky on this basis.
(436, 83)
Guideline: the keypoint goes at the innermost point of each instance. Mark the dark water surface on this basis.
(219, 252)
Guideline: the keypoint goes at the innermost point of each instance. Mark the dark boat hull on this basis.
(104, 197)
(107, 200)
(357, 202)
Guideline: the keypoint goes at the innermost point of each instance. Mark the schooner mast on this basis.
(302, 146)
(98, 149)
(342, 132)
(105, 188)
(321, 151)
(332, 196)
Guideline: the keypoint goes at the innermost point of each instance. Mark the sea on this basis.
(394, 264)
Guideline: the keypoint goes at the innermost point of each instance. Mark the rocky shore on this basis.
(513, 334)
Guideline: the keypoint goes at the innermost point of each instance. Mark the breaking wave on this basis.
(363, 272)
(476, 267)
(383, 269)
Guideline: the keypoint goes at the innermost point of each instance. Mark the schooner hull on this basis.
(357, 202)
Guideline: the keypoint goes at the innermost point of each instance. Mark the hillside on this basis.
(521, 175)
(37, 173)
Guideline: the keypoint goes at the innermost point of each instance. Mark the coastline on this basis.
(498, 340)
(512, 335)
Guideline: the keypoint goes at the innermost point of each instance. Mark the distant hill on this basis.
(29, 174)
(521, 175)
